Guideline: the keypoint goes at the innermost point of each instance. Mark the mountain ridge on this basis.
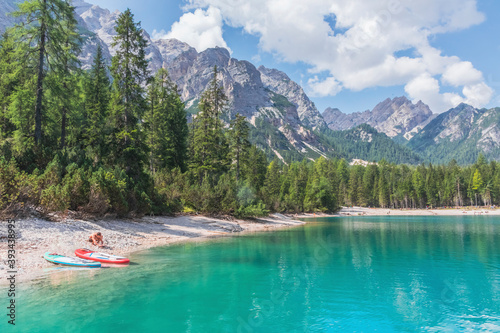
(285, 122)
(461, 133)
(397, 117)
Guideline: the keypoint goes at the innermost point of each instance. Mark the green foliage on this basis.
(281, 102)
(96, 100)
(208, 145)
(129, 70)
(71, 140)
(364, 142)
(166, 126)
(466, 145)
(238, 143)
(49, 42)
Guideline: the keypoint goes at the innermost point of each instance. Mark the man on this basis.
(97, 239)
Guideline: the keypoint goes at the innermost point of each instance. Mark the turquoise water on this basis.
(385, 274)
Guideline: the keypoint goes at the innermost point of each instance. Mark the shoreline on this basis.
(364, 211)
(36, 236)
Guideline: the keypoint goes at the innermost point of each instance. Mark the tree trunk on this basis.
(237, 164)
(39, 84)
(63, 126)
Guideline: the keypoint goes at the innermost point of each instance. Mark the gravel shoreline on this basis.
(364, 211)
(35, 236)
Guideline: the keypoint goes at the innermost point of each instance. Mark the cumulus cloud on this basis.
(461, 73)
(478, 94)
(202, 29)
(358, 44)
(427, 89)
(322, 88)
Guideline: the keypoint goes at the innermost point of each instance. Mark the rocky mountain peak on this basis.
(397, 117)
(172, 48)
(80, 6)
(460, 133)
(280, 83)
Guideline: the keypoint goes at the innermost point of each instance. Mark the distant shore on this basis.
(364, 211)
(36, 236)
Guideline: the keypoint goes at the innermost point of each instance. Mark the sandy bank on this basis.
(37, 236)
(363, 211)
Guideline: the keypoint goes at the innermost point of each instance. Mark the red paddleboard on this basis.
(101, 257)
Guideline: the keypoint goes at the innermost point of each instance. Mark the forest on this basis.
(116, 140)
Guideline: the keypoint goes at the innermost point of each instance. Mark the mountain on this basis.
(280, 83)
(461, 133)
(282, 110)
(282, 115)
(285, 122)
(397, 118)
(366, 143)
(7, 6)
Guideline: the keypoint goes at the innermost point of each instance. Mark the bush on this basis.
(9, 183)
(54, 199)
(258, 210)
(76, 184)
(108, 192)
(249, 205)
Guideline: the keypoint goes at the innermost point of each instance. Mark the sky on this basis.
(348, 54)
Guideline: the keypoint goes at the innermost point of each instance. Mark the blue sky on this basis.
(357, 53)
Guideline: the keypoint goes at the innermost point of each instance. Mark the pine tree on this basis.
(177, 132)
(166, 124)
(431, 187)
(477, 183)
(48, 25)
(343, 175)
(255, 168)
(68, 71)
(419, 186)
(9, 80)
(209, 148)
(272, 185)
(129, 70)
(353, 186)
(238, 143)
(383, 191)
(369, 185)
(97, 97)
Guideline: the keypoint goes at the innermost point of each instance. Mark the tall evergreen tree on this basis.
(419, 186)
(166, 124)
(209, 149)
(256, 167)
(9, 79)
(272, 185)
(129, 70)
(44, 33)
(238, 143)
(68, 71)
(97, 97)
(477, 184)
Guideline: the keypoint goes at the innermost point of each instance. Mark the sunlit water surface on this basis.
(385, 274)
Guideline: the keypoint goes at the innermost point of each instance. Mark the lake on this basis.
(364, 274)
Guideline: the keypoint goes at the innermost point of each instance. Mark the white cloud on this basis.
(202, 29)
(427, 89)
(461, 73)
(327, 87)
(361, 50)
(478, 94)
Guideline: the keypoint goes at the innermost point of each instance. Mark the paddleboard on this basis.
(101, 257)
(69, 261)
